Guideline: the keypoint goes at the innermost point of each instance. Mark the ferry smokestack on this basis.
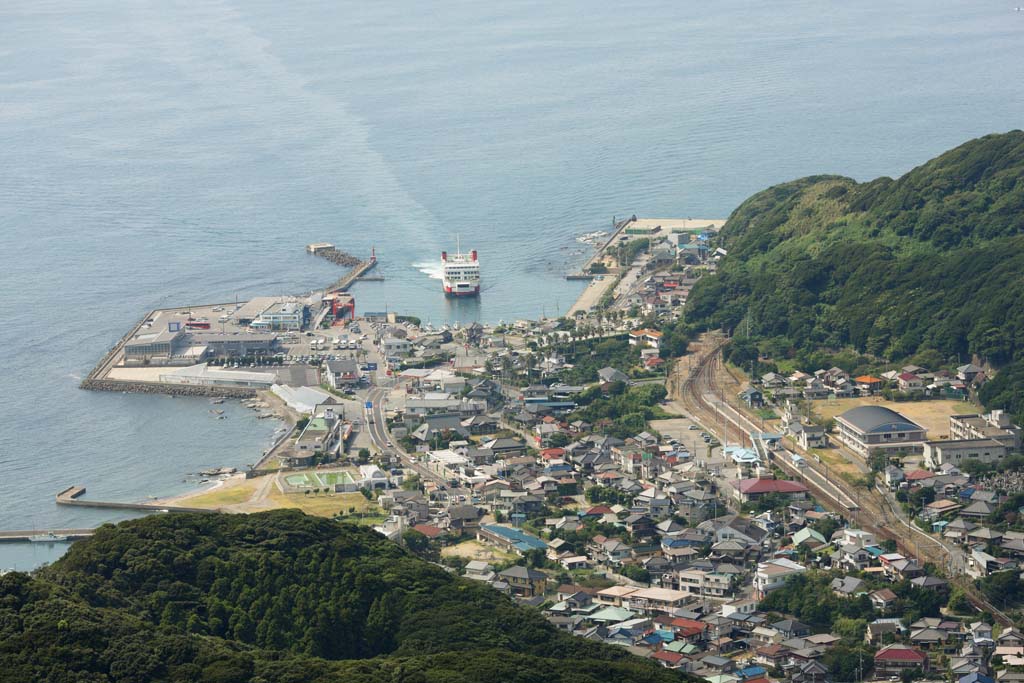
(473, 254)
(444, 255)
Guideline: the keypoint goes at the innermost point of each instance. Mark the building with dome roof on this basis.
(876, 429)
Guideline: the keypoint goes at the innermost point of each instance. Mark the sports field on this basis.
(318, 480)
(933, 415)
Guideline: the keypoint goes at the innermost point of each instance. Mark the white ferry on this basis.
(461, 273)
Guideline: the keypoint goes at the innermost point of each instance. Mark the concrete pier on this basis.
(72, 496)
(351, 276)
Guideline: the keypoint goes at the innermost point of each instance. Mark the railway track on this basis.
(867, 508)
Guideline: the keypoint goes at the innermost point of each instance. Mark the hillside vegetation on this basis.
(930, 265)
(276, 597)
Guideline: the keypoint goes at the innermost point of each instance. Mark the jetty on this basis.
(28, 534)
(349, 278)
(72, 496)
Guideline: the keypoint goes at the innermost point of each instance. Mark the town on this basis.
(635, 481)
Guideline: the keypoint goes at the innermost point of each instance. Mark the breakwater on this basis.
(72, 496)
(335, 256)
(167, 388)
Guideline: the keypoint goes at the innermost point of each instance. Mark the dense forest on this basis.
(928, 266)
(276, 597)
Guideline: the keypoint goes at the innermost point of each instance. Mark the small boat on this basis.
(216, 401)
(48, 537)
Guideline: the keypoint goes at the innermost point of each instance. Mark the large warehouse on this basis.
(875, 429)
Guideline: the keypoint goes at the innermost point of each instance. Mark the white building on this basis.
(282, 315)
(393, 346)
(772, 575)
(938, 453)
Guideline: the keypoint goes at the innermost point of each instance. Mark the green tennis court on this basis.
(318, 480)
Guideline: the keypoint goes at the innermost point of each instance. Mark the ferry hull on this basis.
(448, 291)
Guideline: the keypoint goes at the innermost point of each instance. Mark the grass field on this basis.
(231, 492)
(324, 504)
(932, 415)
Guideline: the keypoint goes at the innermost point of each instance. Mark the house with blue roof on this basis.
(509, 539)
(751, 672)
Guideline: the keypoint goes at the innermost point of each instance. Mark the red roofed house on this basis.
(429, 530)
(919, 475)
(552, 453)
(892, 660)
(908, 381)
(598, 511)
(670, 660)
(752, 489)
(690, 630)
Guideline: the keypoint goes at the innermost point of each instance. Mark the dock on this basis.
(27, 534)
(72, 496)
(351, 276)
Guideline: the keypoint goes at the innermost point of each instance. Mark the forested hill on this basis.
(930, 265)
(275, 597)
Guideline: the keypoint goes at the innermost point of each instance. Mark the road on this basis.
(871, 509)
(376, 423)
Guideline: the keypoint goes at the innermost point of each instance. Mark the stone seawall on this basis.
(129, 387)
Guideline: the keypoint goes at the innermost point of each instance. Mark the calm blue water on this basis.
(159, 153)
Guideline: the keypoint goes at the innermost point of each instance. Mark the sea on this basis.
(161, 152)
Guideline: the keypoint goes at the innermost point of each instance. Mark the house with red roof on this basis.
(892, 660)
(909, 382)
(751, 489)
(598, 511)
(429, 530)
(669, 660)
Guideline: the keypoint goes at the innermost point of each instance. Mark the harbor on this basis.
(247, 349)
(614, 269)
(182, 351)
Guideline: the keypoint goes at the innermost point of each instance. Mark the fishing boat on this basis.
(48, 537)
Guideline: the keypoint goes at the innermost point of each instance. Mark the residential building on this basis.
(341, 373)
(524, 582)
(893, 660)
(772, 575)
(648, 338)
